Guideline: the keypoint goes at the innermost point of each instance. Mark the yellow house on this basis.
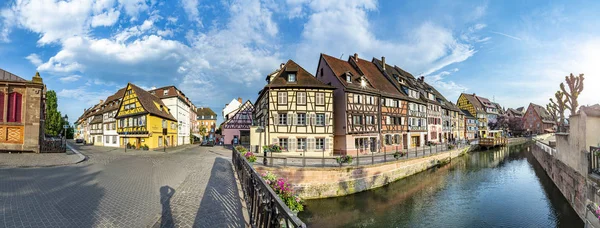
(470, 103)
(144, 120)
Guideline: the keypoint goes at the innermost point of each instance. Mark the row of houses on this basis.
(159, 117)
(358, 106)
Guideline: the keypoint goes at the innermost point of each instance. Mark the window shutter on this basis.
(294, 119)
(289, 119)
(274, 141)
(292, 144)
(11, 107)
(310, 144)
(326, 119)
(276, 119)
(314, 117)
(18, 105)
(1, 106)
(326, 146)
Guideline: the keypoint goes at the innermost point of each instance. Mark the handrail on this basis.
(265, 208)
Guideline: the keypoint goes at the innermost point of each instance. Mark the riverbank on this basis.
(325, 182)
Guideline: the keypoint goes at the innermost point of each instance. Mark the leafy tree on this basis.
(54, 122)
(202, 130)
(515, 124)
(70, 132)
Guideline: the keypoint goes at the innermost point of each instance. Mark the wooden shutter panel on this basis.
(314, 118)
(326, 146)
(11, 107)
(276, 118)
(289, 119)
(326, 119)
(292, 144)
(1, 106)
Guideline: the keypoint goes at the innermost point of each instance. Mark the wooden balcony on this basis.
(492, 142)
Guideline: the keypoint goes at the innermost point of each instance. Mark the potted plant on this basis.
(250, 157)
(145, 147)
(272, 148)
(399, 154)
(344, 159)
(285, 191)
(241, 149)
(450, 146)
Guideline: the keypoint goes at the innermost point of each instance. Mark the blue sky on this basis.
(514, 52)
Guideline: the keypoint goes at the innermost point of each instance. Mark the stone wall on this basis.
(570, 182)
(312, 183)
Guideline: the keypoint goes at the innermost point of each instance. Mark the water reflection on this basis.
(495, 188)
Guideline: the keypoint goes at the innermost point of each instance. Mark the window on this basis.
(320, 143)
(160, 141)
(320, 119)
(357, 99)
(370, 120)
(281, 98)
(301, 144)
(301, 96)
(291, 77)
(130, 120)
(357, 120)
(165, 92)
(396, 139)
(348, 78)
(388, 139)
(282, 118)
(283, 143)
(301, 120)
(14, 107)
(114, 139)
(321, 71)
(320, 98)
(106, 139)
(388, 120)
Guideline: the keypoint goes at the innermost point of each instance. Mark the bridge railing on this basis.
(265, 208)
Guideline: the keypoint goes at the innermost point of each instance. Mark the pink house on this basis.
(236, 129)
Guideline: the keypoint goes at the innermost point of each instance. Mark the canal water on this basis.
(497, 188)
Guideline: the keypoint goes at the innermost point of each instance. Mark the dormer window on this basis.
(165, 92)
(348, 78)
(291, 77)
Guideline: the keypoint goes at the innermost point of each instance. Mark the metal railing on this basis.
(594, 160)
(265, 208)
(279, 159)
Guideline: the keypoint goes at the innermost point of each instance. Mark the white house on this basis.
(180, 106)
(109, 124)
(234, 105)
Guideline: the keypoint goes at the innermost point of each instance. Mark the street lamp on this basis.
(65, 126)
(164, 125)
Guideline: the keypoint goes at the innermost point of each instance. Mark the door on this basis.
(415, 141)
(405, 141)
(245, 137)
(373, 143)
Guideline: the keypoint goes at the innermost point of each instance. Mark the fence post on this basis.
(416, 155)
(304, 159)
(323, 159)
(357, 158)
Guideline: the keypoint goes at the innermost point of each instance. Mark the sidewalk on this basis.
(24, 160)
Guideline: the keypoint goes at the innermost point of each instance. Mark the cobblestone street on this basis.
(194, 187)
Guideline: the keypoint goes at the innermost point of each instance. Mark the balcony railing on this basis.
(417, 128)
(264, 206)
(416, 113)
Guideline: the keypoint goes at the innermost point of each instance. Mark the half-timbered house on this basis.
(236, 129)
(295, 111)
(470, 103)
(415, 132)
(356, 104)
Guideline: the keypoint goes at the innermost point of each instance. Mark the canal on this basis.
(497, 188)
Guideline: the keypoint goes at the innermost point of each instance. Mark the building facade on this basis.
(470, 103)
(109, 111)
(22, 112)
(236, 129)
(295, 111)
(144, 120)
(206, 118)
(537, 120)
(470, 122)
(180, 107)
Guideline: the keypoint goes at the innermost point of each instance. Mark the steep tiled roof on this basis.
(112, 98)
(7, 76)
(516, 112)
(467, 114)
(147, 100)
(378, 80)
(473, 100)
(542, 113)
(97, 119)
(520, 109)
(593, 110)
(391, 72)
(485, 102)
(340, 68)
(303, 78)
(172, 91)
(205, 112)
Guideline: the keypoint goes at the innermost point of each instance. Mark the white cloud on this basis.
(70, 78)
(191, 8)
(450, 89)
(134, 7)
(34, 59)
(146, 25)
(107, 18)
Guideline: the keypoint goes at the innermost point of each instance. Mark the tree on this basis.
(515, 124)
(54, 122)
(575, 87)
(70, 132)
(558, 108)
(202, 130)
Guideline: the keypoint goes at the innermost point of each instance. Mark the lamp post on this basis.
(164, 125)
(65, 127)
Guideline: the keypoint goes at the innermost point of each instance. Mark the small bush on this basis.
(241, 149)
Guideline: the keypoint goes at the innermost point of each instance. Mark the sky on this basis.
(512, 52)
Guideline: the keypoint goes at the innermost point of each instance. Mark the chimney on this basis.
(281, 65)
(240, 99)
(383, 62)
(473, 94)
(356, 56)
(101, 101)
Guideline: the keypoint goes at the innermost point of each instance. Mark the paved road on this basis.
(194, 187)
